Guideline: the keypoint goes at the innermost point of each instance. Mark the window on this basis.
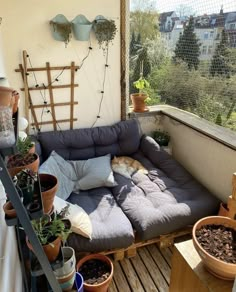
(232, 26)
(205, 35)
(204, 50)
(210, 49)
(211, 34)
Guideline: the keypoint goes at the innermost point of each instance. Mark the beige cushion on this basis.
(80, 220)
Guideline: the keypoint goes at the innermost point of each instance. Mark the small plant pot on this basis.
(7, 97)
(138, 100)
(69, 262)
(103, 286)
(49, 186)
(224, 210)
(67, 281)
(81, 28)
(33, 207)
(61, 28)
(79, 282)
(31, 161)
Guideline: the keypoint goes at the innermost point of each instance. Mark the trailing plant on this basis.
(105, 31)
(63, 29)
(48, 230)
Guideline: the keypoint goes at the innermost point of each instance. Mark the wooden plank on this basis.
(153, 270)
(160, 261)
(52, 68)
(133, 279)
(143, 274)
(112, 287)
(50, 122)
(167, 255)
(72, 82)
(120, 279)
(51, 95)
(51, 86)
(30, 101)
(55, 104)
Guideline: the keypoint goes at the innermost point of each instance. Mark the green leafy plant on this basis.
(141, 84)
(48, 230)
(63, 29)
(105, 31)
(24, 145)
(25, 178)
(162, 138)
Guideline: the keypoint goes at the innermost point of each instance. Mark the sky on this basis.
(197, 6)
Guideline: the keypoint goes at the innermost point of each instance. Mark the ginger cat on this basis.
(127, 166)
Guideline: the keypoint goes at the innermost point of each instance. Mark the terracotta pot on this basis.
(224, 210)
(216, 267)
(7, 97)
(33, 166)
(49, 195)
(102, 287)
(16, 101)
(138, 100)
(9, 210)
(51, 250)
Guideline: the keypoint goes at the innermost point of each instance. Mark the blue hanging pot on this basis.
(104, 29)
(81, 27)
(61, 28)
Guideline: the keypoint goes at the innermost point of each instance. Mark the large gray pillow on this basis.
(64, 172)
(94, 173)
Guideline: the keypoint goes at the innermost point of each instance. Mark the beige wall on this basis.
(209, 161)
(25, 26)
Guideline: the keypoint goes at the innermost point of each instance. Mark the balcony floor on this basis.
(148, 271)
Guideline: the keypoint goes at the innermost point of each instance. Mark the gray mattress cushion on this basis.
(123, 138)
(165, 200)
(111, 228)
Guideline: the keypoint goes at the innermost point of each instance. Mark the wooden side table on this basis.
(189, 274)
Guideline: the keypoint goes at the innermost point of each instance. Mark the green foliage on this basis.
(105, 31)
(63, 29)
(162, 138)
(219, 120)
(25, 178)
(141, 84)
(220, 64)
(47, 230)
(24, 145)
(188, 47)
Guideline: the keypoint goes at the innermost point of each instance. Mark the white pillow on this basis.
(80, 221)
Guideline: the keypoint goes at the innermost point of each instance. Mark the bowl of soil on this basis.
(214, 238)
(97, 272)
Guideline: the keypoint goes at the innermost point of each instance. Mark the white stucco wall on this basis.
(25, 26)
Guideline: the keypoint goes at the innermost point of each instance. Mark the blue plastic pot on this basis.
(79, 282)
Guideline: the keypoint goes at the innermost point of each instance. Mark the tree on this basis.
(188, 47)
(220, 64)
(184, 10)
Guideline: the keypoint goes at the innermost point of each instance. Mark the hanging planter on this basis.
(105, 30)
(81, 28)
(61, 28)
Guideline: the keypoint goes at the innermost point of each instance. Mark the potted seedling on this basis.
(162, 138)
(138, 99)
(25, 182)
(50, 232)
(24, 158)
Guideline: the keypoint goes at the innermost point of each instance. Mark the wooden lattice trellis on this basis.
(29, 105)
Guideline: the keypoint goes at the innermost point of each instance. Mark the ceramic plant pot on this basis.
(79, 282)
(67, 281)
(49, 186)
(138, 100)
(218, 268)
(61, 28)
(9, 210)
(81, 27)
(7, 97)
(101, 287)
(31, 161)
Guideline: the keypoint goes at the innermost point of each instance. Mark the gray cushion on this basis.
(111, 228)
(58, 167)
(163, 201)
(123, 138)
(93, 173)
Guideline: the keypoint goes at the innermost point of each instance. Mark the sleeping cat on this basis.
(127, 166)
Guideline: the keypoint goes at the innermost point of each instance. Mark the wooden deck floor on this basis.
(148, 271)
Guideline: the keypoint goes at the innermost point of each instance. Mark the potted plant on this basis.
(162, 138)
(50, 232)
(138, 99)
(214, 239)
(61, 28)
(97, 272)
(24, 158)
(105, 31)
(25, 180)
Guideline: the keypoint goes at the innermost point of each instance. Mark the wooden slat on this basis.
(55, 104)
(51, 122)
(120, 279)
(51, 96)
(160, 261)
(167, 254)
(52, 87)
(134, 282)
(30, 101)
(72, 82)
(52, 68)
(145, 277)
(153, 269)
(112, 287)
